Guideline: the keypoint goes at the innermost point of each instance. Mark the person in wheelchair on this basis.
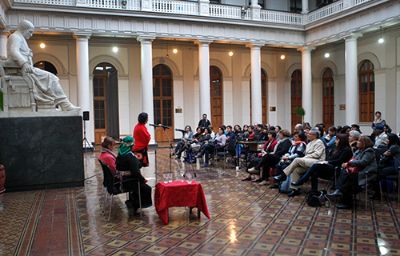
(129, 166)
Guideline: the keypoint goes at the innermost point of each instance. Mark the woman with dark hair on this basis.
(128, 163)
(390, 160)
(142, 139)
(107, 155)
(353, 173)
(326, 169)
(296, 150)
(184, 143)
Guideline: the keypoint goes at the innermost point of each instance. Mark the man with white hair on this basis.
(46, 86)
(315, 151)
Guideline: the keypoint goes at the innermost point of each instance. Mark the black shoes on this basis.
(343, 206)
(336, 193)
(280, 178)
(294, 192)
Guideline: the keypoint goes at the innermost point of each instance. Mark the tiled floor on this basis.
(245, 220)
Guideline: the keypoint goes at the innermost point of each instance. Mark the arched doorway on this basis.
(105, 101)
(366, 81)
(264, 91)
(328, 97)
(45, 65)
(163, 100)
(217, 103)
(296, 97)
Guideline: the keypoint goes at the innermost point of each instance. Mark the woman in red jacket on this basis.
(142, 139)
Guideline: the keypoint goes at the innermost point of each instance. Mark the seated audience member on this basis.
(353, 138)
(354, 173)
(278, 129)
(326, 169)
(345, 129)
(245, 131)
(298, 128)
(251, 134)
(315, 151)
(127, 162)
(296, 150)
(208, 148)
(183, 144)
(270, 160)
(355, 127)
(390, 160)
(107, 155)
(378, 120)
(381, 139)
(387, 129)
(255, 163)
(230, 140)
(329, 139)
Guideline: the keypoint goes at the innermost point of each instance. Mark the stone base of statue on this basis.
(42, 152)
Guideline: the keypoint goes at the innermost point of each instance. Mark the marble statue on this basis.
(46, 86)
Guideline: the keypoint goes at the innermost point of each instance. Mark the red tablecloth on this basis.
(179, 193)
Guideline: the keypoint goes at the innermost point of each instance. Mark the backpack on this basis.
(284, 186)
(318, 199)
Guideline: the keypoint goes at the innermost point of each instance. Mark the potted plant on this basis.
(301, 112)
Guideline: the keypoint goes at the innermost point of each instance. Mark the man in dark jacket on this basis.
(204, 122)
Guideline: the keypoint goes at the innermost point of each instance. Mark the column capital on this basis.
(82, 35)
(255, 44)
(306, 48)
(203, 41)
(145, 38)
(352, 36)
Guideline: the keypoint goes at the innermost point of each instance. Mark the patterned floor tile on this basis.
(246, 220)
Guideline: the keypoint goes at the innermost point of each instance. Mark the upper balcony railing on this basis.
(204, 8)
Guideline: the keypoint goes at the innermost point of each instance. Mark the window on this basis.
(328, 97)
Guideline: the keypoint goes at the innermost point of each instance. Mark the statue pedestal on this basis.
(42, 152)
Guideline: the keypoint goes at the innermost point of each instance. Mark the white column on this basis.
(255, 10)
(256, 93)
(307, 83)
(204, 78)
(351, 79)
(146, 71)
(82, 72)
(304, 6)
(3, 44)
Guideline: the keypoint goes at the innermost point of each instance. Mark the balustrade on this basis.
(215, 10)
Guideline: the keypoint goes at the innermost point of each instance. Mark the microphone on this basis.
(159, 125)
(180, 130)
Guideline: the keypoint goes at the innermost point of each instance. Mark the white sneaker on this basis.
(262, 183)
(253, 171)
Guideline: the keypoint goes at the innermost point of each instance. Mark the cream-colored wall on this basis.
(236, 77)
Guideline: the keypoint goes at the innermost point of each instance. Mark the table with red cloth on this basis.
(179, 194)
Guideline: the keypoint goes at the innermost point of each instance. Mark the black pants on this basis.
(347, 183)
(324, 171)
(267, 162)
(145, 195)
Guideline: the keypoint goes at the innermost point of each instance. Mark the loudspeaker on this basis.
(85, 115)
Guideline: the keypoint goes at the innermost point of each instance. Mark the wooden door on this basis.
(264, 92)
(328, 97)
(366, 81)
(163, 102)
(99, 104)
(105, 102)
(296, 96)
(217, 102)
